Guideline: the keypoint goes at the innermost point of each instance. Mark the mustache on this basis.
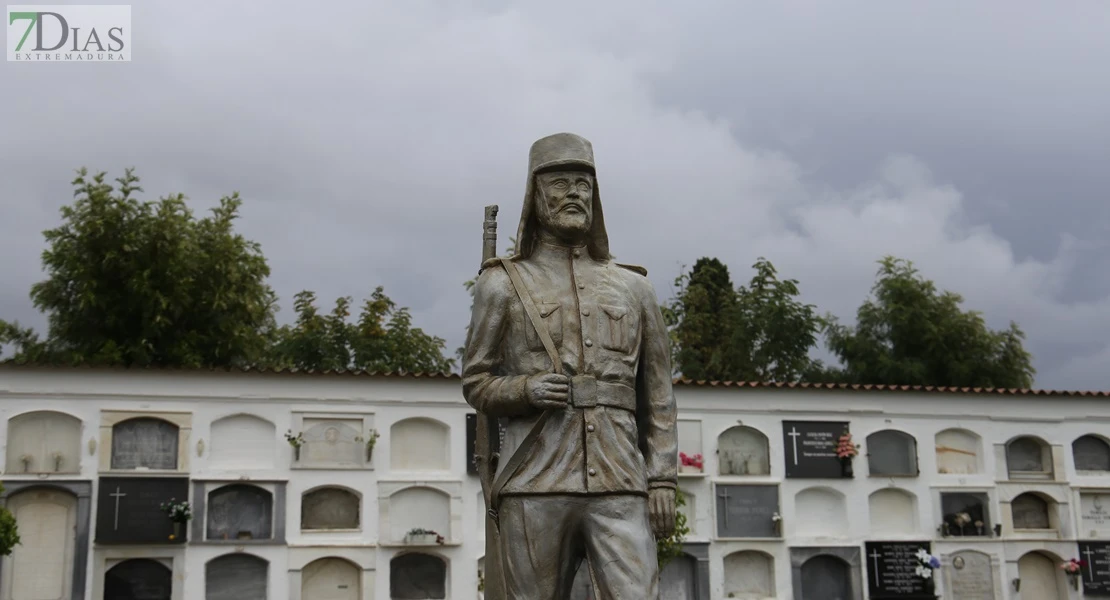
(571, 204)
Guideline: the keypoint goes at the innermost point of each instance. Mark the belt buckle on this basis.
(583, 391)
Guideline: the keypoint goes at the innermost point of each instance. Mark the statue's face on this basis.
(565, 201)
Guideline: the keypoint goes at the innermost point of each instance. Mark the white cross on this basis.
(1090, 565)
(875, 556)
(117, 495)
(794, 438)
(724, 494)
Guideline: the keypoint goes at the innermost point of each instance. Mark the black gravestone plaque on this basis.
(1096, 575)
(129, 510)
(892, 571)
(810, 448)
(747, 510)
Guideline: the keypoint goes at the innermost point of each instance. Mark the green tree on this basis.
(381, 340)
(144, 283)
(909, 333)
(9, 531)
(669, 548)
(757, 332)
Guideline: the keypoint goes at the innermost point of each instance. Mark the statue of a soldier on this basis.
(569, 350)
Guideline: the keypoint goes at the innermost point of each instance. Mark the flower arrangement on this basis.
(927, 562)
(1073, 566)
(844, 446)
(178, 512)
(695, 461)
(295, 441)
(420, 531)
(26, 460)
(58, 458)
(371, 439)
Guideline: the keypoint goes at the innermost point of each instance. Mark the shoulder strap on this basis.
(533, 314)
(529, 441)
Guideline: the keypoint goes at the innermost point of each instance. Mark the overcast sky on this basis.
(366, 137)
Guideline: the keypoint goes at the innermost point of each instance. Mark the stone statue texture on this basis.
(589, 461)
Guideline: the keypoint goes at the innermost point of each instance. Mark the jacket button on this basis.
(577, 253)
(589, 343)
(586, 312)
(589, 428)
(581, 286)
(593, 472)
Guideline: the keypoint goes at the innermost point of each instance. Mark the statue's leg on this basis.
(540, 546)
(621, 547)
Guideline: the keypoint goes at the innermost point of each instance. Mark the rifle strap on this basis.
(525, 448)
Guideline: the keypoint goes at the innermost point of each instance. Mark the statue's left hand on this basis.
(661, 506)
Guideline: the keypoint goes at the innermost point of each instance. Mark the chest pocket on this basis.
(552, 318)
(617, 328)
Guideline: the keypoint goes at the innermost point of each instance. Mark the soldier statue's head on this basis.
(562, 203)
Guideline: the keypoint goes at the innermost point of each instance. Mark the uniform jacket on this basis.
(606, 323)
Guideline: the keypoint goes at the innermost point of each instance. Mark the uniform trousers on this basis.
(544, 539)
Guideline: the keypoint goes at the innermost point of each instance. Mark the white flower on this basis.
(926, 573)
(923, 556)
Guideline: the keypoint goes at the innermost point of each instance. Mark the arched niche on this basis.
(417, 576)
(419, 444)
(820, 512)
(1091, 453)
(419, 507)
(331, 508)
(743, 451)
(144, 443)
(1041, 576)
(240, 512)
(893, 512)
(331, 577)
(41, 565)
(44, 441)
(243, 442)
(959, 452)
(1032, 511)
(749, 575)
(236, 577)
(826, 576)
(679, 577)
(891, 453)
(1028, 457)
(151, 576)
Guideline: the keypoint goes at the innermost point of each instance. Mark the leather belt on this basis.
(587, 392)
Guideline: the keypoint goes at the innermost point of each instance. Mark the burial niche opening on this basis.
(1030, 511)
(957, 452)
(331, 578)
(243, 442)
(893, 511)
(240, 512)
(330, 508)
(41, 565)
(743, 451)
(417, 576)
(820, 512)
(138, 579)
(892, 453)
(1028, 458)
(419, 444)
(1091, 453)
(749, 575)
(419, 507)
(826, 577)
(236, 577)
(44, 442)
(144, 443)
(964, 514)
(678, 579)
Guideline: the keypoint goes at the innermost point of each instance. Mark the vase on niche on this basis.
(846, 467)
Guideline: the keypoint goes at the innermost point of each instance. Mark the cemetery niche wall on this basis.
(810, 449)
(129, 510)
(44, 442)
(236, 576)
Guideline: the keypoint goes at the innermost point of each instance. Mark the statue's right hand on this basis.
(548, 391)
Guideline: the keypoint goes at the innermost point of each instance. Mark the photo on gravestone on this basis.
(970, 576)
(747, 511)
(810, 448)
(1096, 575)
(964, 514)
(895, 570)
(129, 510)
(239, 512)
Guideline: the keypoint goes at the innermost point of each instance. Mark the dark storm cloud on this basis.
(366, 138)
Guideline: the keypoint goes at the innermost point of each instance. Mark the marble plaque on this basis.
(891, 570)
(970, 576)
(144, 443)
(1030, 512)
(747, 510)
(138, 579)
(1096, 575)
(1094, 515)
(333, 442)
(330, 508)
(236, 577)
(810, 448)
(129, 510)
